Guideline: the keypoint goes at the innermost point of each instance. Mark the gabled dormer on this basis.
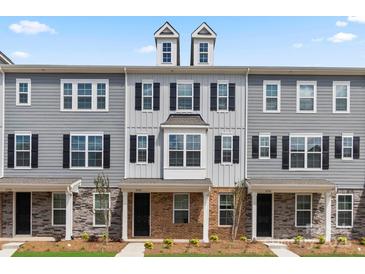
(167, 46)
(202, 46)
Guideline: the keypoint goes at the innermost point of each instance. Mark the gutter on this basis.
(125, 121)
(3, 124)
(246, 120)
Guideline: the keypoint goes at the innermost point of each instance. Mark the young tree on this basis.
(102, 187)
(239, 199)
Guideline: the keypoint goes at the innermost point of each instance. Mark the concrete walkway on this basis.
(132, 250)
(9, 249)
(281, 250)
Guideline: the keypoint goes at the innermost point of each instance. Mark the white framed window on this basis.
(58, 209)
(203, 52)
(347, 146)
(341, 97)
(264, 146)
(344, 212)
(101, 206)
(23, 146)
(23, 92)
(271, 96)
(84, 94)
(222, 96)
(86, 150)
(142, 148)
(181, 208)
(305, 152)
(184, 150)
(227, 149)
(166, 52)
(303, 210)
(147, 95)
(306, 96)
(184, 96)
(226, 209)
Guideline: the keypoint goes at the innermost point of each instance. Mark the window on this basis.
(101, 208)
(227, 148)
(303, 210)
(142, 148)
(23, 150)
(341, 97)
(23, 92)
(181, 208)
(347, 147)
(305, 152)
(226, 209)
(203, 52)
(222, 96)
(184, 150)
(185, 96)
(87, 151)
(59, 209)
(147, 96)
(264, 146)
(84, 95)
(306, 96)
(271, 96)
(166, 52)
(344, 210)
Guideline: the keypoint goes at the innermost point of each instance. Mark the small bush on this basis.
(362, 241)
(194, 242)
(93, 238)
(85, 236)
(148, 245)
(214, 238)
(104, 236)
(58, 238)
(243, 238)
(298, 239)
(321, 239)
(168, 243)
(342, 240)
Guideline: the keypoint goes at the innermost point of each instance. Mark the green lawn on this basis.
(333, 255)
(208, 255)
(63, 254)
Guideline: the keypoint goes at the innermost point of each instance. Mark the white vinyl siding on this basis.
(23, 92)
(341, 97)
(306, 96)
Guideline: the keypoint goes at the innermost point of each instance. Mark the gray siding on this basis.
(343, 173)
(1, 122)
(139, 122)
(44, 117)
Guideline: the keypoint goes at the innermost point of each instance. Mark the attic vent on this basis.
(204, 31)
(166, 31)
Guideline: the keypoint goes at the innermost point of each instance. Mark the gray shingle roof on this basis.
(185, 120)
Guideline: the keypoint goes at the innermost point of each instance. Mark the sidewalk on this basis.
(9, 249)
(132, 250)
(281, 250)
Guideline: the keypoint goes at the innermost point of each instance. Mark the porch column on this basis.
(205, 217)
(328, 215)
(254, 214)
(69, 218)
(125, 217)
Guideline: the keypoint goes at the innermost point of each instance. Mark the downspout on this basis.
(125, 120)
(246, 120)
(3, 124)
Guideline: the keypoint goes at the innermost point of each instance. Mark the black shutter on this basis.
(138, 96)
(156, 96)
(151, 148)
(356, 144)
(325, 153)
(196, 96)
(338, 147)
(285, 160)
(232, 96)
(255, 147)
(273, 147)
(236, 149)
(106, 151)
(132, 148)
(34, 150)
(10, 150)
(217, 149)
(66, 151)
(172, 96)
(213, 96)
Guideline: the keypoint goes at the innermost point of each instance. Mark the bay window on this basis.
(184, 150)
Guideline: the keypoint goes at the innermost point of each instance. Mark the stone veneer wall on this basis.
(7, 214)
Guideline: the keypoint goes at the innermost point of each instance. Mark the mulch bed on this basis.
(352, 248)
(221, 248)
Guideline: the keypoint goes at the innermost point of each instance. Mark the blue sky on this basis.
(271, 41)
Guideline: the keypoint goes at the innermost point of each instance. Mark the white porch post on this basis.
(254, 214)
(328, 215)
(125, 217)
(205, 217)
(69, 218)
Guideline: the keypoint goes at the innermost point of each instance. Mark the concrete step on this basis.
(12, 245)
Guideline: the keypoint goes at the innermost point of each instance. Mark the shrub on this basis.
(93, 238)
(243, 238)
(298, 239)
(362, 241)
(104, 236)
(85, 236)
(321, 239)
(148, 245)
(58, 238)
(194, 242)
(342, 240)
(168, 243)
(214, 238)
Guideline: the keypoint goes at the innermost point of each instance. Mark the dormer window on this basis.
(203, 52)
(166, 52)
(202, 46)
(167, 46)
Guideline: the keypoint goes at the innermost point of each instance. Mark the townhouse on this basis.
(175, 140)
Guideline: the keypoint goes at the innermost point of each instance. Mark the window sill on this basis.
(347, 159)
(306, 112)
(58, 225)
(225, 226)
(271, 111)
(23, 105)
(147, 110)
(341, 112)
(86, 168)
(346, 227)
(223, 111)
(141, 163)
(20, 167)
(264, 158)
(84, 110)
(304, 226)
(305, 169)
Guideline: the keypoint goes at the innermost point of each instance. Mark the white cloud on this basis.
(298, 45)
(357, 19)
(30, 27)
(341, 24)
(146, 49)
(20, 54)
(319, 39)
(342, 37)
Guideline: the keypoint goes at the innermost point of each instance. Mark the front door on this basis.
(264, 215)
(22, 213)
(141, 214)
